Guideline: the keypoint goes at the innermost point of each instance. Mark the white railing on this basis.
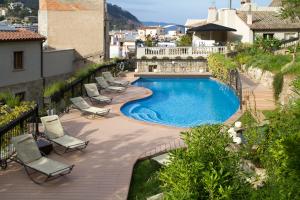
(175, 52)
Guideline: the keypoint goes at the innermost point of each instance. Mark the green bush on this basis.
(145, 182)
(53, 88)
(267, 44)
(185, 41)
(205, 170)
(254, 57)
(220, 66)
(278, 85)
(79, 74)
(9, 99)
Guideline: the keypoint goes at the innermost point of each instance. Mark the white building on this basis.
(250, 21)
(153, 31)
(3, 11)
(123, 43)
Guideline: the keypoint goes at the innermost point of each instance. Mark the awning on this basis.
(210, 27)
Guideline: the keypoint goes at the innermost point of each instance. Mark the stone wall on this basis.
(260, 76)
(287, 93)
(33, 90)
(169, 66)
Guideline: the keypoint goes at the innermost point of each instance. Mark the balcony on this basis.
(176, 52)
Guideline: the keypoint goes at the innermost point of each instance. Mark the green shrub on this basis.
(220, 66)
(205, 170)
(267, 44)
(53, 88)
(9, 99)
(278, 85)
(185, 41)
(145, 181)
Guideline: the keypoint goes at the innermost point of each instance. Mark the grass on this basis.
(145, 181)
(247, 118)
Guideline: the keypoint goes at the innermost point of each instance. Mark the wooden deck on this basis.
(257, 96)
(103, 171)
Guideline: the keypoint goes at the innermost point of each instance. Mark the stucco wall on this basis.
(277, 34)
(78, 25)
(58, 62)
(32, 62)
(230, 19)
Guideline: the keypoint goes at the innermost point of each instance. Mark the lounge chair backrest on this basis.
(80, 103)
(53, 127)
(102, 82)
(26, 148)
(92, 90)
(108, 76)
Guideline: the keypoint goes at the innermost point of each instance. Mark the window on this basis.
(21, 96)
(268, 35)
(18, 60)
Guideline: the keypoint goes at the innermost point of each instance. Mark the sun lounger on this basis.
(31, 158)
(110, 79)
(104, 85)
(54, 132)
(94, 95)
(85, 108)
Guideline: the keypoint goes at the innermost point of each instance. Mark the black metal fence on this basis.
(26, 123)
(60, 101)
(235, 83)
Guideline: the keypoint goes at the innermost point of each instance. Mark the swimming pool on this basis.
(183, 102)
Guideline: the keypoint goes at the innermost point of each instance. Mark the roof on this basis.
(276, 3)
(269, 20)
(194, 22)
(211, 27)
(20, 35)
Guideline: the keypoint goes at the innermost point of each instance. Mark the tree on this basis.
(291, 9)
(149, 41)
(184, 41)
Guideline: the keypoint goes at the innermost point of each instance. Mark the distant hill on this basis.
(157, 23)
(119, 18)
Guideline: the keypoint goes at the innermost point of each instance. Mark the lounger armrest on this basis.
(61, 171)
(84, 143)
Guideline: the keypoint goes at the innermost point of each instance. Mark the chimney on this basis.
(212, 14)
(249, 18)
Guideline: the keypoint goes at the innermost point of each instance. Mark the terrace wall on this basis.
(172, 66)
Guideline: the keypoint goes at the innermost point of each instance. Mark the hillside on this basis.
(119, 18)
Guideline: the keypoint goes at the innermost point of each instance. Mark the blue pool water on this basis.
(183, 102)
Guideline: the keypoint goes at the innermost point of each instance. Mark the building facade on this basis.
(21, 63)
(251, 21)
(77, 24)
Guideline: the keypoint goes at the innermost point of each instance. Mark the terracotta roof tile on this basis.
(269, 20)
(20, 35)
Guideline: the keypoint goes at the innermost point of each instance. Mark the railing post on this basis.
(37, 121)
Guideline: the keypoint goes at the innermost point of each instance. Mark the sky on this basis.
(174, 11)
